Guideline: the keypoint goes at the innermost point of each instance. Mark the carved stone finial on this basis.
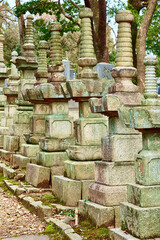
(150, 77)
(14, 71)
(42, 73)
(124, 56)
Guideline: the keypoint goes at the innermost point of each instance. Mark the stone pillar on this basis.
(37, 120)
(140, 215)
(58, 124)
(3, 76)
(116, 169)
(11, 92)
(27, 64)
(89, 127)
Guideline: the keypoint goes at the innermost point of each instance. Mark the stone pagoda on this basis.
(89, 127)
(118, 154)
(11, 91)
(58, 124)
(27, 64)
(37, 120)
(140, 216)
(3, 76)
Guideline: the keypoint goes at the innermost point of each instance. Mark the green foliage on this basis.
(52, 8)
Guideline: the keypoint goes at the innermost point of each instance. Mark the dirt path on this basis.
(15, 219)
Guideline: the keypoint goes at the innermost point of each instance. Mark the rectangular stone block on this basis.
(57, 171)
(140, 222)
(113, 173)
(4, 130)
(100, 215)
(19, 129)
(107, 195)
(67, 190)
(85, 188)
(117, 216)
(119, 148)
(118, 234)
(90, 130)
(22, 117)
(50, 159)
(79, 170)
(41, 108)
(30, 150)
(59, 126)
(55, 144)
(143, 196)
(10, 110)
(6, 121)
(59, 107)
(148, 168)
(83, 153)
(37, 175)
(1, 141)
(6, 155)
(38, 123)
(11, 143)
(20, 161)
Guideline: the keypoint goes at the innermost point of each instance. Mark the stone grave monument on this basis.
(58, 124)
(118, 154)
(140, 216)
(27, 64)
(89, 127)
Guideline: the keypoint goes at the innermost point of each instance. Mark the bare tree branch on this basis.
(75, 4)
(65, 14)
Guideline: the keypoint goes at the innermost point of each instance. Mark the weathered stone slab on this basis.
(67, 190)
(20, 161)
(118, 234)
(50, 159)
(119, 148)
(90, 130)
(79, 170)
(11, 143)
(18, 129)
(6, 155)
(113, 173)
(4, 130)
(140, 222)
(38, 123)
(143, 196)
(85, 188)
(22, 117)
(57, 170)
(148, 168)
(100, 215)
(30, 150)
(82, 153)
(107, 195)
(8, 172)
(10, 110)
(37, 175)
(55, 144)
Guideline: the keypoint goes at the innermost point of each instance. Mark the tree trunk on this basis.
(21, 28)
(141, 43)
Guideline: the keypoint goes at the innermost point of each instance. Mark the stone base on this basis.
(6, 155)
(80, 170)
(20, 161)
(107, 195)
(118, 234)
(99, 215)
(55, 144)
(140, 222)
(50, 159)
(11, 143)
(84, 153)
(111, 173)
(70, 191)
(30, 150)
(37, 175)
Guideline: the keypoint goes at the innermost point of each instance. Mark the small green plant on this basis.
(68, 213)
(84, 204)
(49, 228)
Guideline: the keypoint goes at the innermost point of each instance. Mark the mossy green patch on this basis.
(3, 186)
(90, 232)
(53, 232)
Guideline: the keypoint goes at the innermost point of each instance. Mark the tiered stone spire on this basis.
(140, 215)
(116, 169)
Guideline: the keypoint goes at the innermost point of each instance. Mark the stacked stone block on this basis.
(140, 216)
(121, 144)
(27, 64)
(58, 123)
(3, 76)
(11, 92)
(30, 149)
(89, 127)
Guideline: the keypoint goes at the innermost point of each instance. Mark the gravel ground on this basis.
(16, 219)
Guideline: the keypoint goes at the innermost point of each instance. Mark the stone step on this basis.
(8, 172)
(6, 155)
(11, 143)
(118, 234)
(30, 150)
(50, 159)
(20, 161)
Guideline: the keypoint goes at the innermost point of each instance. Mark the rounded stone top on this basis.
(150, 60)
(43, 44)
(56, 26)
(30, 16)
(124, 16)
(14, 54)
(85, 13)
